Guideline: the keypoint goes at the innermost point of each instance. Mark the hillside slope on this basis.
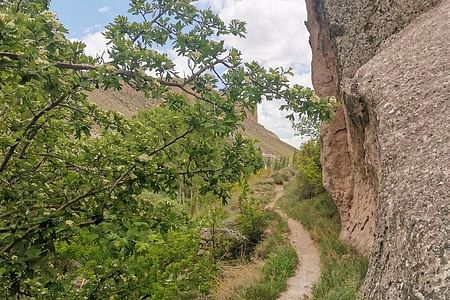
(129, 102)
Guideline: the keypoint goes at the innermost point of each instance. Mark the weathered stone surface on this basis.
(408, 83)
(393, 71)
(336, 161)
(344, 36)
(358, 28)
(324, 68)
(353, 194)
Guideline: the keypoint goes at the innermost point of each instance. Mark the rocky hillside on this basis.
(269, 142)
(130, 102)
(386, 154)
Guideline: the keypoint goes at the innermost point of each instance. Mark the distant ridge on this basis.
(129, 102)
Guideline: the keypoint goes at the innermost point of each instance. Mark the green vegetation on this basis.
(309, 178)
(95, 205)
(270, 259)
(278, 163)
(343, 269)
(282, 176)
(157, 255)
(280, 261)
(308, 124)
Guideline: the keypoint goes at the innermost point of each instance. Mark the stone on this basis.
(354, 195)
(386, 153)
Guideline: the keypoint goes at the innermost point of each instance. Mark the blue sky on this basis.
(82, 16)
(276, 37)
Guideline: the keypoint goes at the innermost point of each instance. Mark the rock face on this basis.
(350, 181)
(386, 154)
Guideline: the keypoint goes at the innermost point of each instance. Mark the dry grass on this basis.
(235, 278)
(272, 259)
(268, 141)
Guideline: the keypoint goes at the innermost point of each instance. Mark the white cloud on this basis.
(275, 120)
(95, 44)
(276, 36)
(303, 79)
(103, 9)
(92, 29)
(181, 63)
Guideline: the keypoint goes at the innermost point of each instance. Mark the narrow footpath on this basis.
(308, 269)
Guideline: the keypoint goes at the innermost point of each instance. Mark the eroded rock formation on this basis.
(386, 154)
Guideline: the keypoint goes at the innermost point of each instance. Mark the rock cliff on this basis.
(386, 153)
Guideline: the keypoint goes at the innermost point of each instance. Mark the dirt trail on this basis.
(308, 269)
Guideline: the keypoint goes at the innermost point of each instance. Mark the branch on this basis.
(172, 142)
(25, 235)
(79, 198)
(47, 222)
(113, 273)
(98, 218)
(9, 55)
(88, 67)
(199, 171)
(130, 74)
(203, 69)
(122, 178)
(29, 141)
(66, 162)
(94, 221)
(19, 3)
(61, 65)
(15, 211)
(159, 15)
(32, 122)
(220, 78)
(76, 67)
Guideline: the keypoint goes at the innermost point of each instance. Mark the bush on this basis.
(279, 266)
(252, 221)
(156, 256)
(282, 176)
(310, 170)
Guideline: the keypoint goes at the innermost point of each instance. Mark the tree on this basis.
(60, 185)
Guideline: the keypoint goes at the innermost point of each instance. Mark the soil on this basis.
(308, 269)
(306, 275)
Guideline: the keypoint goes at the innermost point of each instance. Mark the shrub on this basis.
(310, 170)
(281, 176)
(279, 266)
(252, 221)
(155, 256)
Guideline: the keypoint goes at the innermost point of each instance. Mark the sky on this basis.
(276, 37)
